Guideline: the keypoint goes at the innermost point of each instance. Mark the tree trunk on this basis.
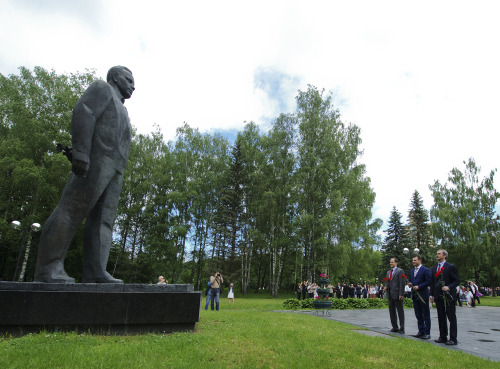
(259, 267)
(181, 259)
(133, 245)
(193, 265)
(25, 261)
(201, 257)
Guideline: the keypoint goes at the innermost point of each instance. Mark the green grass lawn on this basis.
(489, 301)
(246, 334)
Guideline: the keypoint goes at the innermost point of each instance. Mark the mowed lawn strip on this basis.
(489, 301)
(247, 334)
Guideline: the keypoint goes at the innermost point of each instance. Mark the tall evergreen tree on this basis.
(420, 235)
(230, 211)
(395, 241)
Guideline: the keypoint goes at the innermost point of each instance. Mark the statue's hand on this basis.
(79, 167)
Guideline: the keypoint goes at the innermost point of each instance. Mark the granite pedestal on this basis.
(97, 308)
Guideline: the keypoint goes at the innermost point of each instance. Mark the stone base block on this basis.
(97, 308)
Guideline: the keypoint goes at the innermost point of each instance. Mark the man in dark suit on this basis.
(419, 280)
(444, 282)
(345, 290)
(304, 290)
(338, 291)
(101, 143)
(351, 291)
(395, 286)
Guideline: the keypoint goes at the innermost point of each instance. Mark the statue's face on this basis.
(125, 83)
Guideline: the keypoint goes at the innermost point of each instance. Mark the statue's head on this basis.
(122, 78)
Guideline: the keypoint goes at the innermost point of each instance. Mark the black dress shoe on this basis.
(451, 343)
(418, 335)
(425, 337)
(394, 330)
(441, 340)
(402, 331)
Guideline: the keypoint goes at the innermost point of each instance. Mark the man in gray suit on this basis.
(101, 142)
(395, 286)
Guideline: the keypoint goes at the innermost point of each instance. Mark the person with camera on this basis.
(215, 283)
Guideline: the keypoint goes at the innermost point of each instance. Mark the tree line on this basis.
(462, 220)
(267, 210)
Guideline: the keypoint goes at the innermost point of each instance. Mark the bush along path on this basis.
(343, 304)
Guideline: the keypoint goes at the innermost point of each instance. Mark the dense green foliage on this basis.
(466, 225)
(269, 210)
(35, 115)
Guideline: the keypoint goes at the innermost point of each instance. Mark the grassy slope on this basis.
(247, 334)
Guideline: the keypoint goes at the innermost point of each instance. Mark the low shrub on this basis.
(307, 303)
(344, 304)
(292, 304)
(408, 303)
(340, 304)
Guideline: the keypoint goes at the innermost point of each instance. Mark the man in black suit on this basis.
(338, 291)
(101, 138)
(345, 290)
(444, 282)
(395, 286)
(351, 291)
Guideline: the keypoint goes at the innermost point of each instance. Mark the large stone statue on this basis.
(101, 143)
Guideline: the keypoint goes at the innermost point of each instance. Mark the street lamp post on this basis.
(35, 227)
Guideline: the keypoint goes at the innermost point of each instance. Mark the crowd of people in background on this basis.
(308, 289)
(469, 293)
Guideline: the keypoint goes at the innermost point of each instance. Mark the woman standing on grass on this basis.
(230, 293)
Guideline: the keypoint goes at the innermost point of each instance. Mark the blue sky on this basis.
(421, 79)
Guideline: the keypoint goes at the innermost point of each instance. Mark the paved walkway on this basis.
(478, 328)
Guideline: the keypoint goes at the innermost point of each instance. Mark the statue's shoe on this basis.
(106, 278)
(54, 279)
(53, 273)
